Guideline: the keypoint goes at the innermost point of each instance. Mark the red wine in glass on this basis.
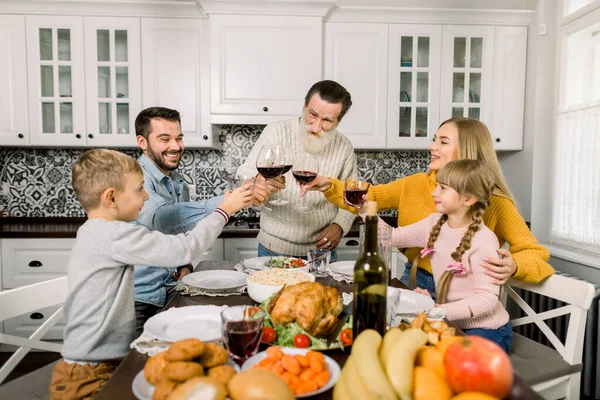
(304, 176)
(242, 339)
(286, 168)
(270, 172)
(355, 196)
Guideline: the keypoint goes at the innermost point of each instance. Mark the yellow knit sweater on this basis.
(411, 196)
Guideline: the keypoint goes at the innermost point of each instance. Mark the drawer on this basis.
(27, 261)
(347, 250)
(24, 325)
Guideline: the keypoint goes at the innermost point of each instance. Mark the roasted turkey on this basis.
(313, 306)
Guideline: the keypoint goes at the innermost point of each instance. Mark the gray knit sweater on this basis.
(284, 229)
(99, 309)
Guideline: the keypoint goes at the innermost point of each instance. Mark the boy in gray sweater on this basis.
(99, 309)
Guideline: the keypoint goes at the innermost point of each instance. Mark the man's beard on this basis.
(315, 143)
(158, 159)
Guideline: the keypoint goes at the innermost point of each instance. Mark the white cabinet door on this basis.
(510, 54)
(13, 82)
(215, 253)
(356, 57)
(413, 89)
(175, 74)
(113, 80)
(262, 66)
(467, 73)
(55, 70)
(348, 249)
(240, 249)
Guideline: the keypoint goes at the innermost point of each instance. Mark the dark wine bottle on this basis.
(370, 281)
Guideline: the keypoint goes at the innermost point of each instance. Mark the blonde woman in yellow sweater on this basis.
(456, 138)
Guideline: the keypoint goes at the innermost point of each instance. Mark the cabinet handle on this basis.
(205, 137)
(265, 109)
(352, 242)
(35, 263)
(20, 136)
(78, 136)
(90, 136)
(498, 140)
(36, 315)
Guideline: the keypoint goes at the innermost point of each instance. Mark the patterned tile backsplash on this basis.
(39, 180)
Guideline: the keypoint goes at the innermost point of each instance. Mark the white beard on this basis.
(315, 143)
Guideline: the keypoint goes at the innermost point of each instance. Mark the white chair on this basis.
(26, 299)
(554, 374)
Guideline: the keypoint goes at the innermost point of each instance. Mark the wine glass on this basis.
(354, 190)
(268, 164)
(241, 327)
(306, 168)
(285, 159)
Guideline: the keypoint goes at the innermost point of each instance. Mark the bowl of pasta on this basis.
(263, 284)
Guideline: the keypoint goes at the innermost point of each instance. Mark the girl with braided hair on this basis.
(456, 241)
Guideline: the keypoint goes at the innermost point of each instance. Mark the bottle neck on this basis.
(371, 243)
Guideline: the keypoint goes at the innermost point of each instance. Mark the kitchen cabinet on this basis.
(240, 249)
(262, 66)
(175, 74)
(215, 253)
(84, 80)
(13, 82)
(348, 249)
(356, 57)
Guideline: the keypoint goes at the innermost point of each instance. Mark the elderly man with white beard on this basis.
(284, 230)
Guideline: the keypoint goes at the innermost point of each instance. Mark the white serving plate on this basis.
(257, 263)
(334, 368)
(200, 322)
(215, 280)
(343, 268)
(412, 302)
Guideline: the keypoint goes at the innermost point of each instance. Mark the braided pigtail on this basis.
(435, 232)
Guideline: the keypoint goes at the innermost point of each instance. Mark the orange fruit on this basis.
(473, 396)
(444, 343)
(433, 359)
(429, 385)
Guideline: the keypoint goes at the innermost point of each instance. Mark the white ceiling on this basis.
(469, 4)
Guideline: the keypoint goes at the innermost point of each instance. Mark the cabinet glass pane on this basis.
(64, 44)
(460, 51)
(421, 126)
(474, 113)
(103, 82)
(103, 43)
(120, 45)
(104, 118)
(122, 78)
(48, 118)
(45, 44)
(122, 118)
(406, 51)
(423, 87)
(458, 87)
(405, 117)
(47, 80)
(423, 56)
(64, 81)
(457, 112)
(474, 88)
(405, 86)
(66, 117)
(476, 52)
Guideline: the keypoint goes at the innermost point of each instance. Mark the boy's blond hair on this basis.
(97, 170)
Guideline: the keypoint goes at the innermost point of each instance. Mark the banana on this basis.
(356, 388)
(389, 339)
(400, 362)
(340, 391)
(365, 353)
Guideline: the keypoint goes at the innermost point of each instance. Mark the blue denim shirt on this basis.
(168, 210)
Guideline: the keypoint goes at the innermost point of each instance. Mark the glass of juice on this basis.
(241, 327)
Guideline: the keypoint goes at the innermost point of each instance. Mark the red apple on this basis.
(475, 364)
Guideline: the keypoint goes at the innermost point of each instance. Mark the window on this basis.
(576, 176)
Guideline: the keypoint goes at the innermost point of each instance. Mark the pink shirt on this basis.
(473, 293)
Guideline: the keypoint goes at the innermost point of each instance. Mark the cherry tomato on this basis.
(269, 334)
(250, 311)
(346, 336)
(302, 341)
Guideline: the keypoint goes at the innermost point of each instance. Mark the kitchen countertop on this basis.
(64, 228)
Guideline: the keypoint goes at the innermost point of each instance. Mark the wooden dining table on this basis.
(119, 385)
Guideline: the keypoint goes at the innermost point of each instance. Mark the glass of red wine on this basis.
(285, 158)
(241, 327)
(269, 163)
(354, 190)
(306, 168)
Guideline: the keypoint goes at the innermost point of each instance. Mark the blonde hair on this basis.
(468, 178)
(475, 143)
(97, 170)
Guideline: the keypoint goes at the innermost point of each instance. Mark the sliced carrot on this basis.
(322, 378)
(264, 362)
(274, 353)
(278, 368)
(307, 375)
(315, 355)
(290, 364)
(306, 387)
(302, 360)
(316, 366)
